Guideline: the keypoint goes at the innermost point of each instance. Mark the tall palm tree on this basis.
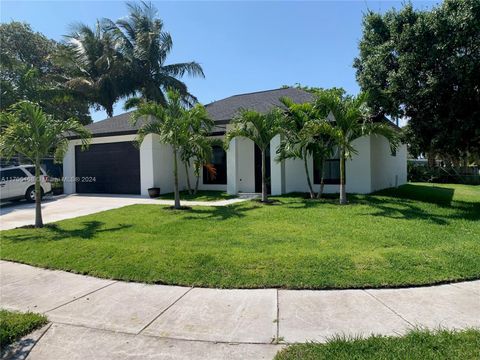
(352, 120)
(261, 129)
(306, 135)
(145, 45)
(99, 71)
(169, 122)
(28, 131)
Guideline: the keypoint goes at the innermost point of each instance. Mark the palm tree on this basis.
(261, 129)
(28, 131)
(169, 122)
(352, 120)
(98, 70)
(145, 45)
(305, 135)
(318, 137)
(198, 147)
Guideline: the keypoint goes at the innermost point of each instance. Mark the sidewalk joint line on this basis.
(168, 337)
(81, 297)
(164, 310)
(49, 325)
(278, 317)
(389, 308)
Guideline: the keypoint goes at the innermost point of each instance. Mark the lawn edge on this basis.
(269, 287)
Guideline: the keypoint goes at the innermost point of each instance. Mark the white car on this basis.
(18, 182)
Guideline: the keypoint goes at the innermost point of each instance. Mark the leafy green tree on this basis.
(425, 66)
(145, 46)
(29, 131)
(261, 129)
(169, 122)
(28, 71)
(306, 135)
(97, 69)
(352, 120)
(198, 146)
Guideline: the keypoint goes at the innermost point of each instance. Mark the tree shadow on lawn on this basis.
(89, 230)
(402, 209)
(401, 204)
(428, 194)
(219, 212)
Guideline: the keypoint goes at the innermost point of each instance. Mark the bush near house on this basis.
(444, 175)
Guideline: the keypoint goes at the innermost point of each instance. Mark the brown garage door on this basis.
(112, 168)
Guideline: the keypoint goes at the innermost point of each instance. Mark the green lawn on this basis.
(201, 195)
(416, 345)
(417, 234)
(14, 325)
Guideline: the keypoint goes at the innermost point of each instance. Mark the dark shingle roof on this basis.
(119, 124)
(262, 101)
(221, 111)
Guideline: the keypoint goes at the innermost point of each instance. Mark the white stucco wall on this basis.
(387, 170)
(277, 168)
(357, 169)
(296, 179)
(245, 165)
(373, 168)
(163, 166)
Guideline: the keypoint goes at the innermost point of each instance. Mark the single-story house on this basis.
(114, 164)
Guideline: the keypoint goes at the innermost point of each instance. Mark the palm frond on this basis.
(191, 68)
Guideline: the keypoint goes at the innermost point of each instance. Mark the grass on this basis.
(14, 325)
(416, 345)
(415, 235)
(201, 195)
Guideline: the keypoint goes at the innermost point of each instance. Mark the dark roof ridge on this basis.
(113, 117)
(257, 92)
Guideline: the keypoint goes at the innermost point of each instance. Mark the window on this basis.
(331, 172)
(216, 171)
(12, 174)
(31, 170)
(393, 152)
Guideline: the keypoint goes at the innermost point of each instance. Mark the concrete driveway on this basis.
(70, 206)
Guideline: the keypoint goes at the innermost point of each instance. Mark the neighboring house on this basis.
(114, 164)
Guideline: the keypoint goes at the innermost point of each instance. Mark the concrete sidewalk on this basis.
(71, 206)
(97, 318)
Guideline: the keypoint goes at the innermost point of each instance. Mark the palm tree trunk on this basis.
(188, 179)
(38, 196)
(307, 172)
(322, 175)
(343, 194)
(264, 177)
(431, 159)
(197, 179)
(109, 110)
(175, 177)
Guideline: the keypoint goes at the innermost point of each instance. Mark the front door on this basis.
(258, 169)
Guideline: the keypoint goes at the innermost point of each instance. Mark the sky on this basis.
(243, 46)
